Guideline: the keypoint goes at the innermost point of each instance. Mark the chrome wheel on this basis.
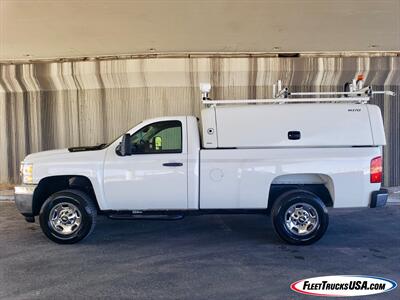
(301, 219)
(65, 218)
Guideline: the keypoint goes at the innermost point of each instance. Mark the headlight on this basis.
(27, 173)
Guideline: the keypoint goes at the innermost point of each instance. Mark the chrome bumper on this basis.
(24, 198)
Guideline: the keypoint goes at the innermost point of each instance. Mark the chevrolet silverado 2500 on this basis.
(291, 160)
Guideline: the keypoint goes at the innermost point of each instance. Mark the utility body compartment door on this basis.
(155, 175)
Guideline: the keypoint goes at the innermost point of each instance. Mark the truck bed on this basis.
(241, 178)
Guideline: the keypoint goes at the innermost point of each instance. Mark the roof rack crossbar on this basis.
(354, 92)
(290, 100)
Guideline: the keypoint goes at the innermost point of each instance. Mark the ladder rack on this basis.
(289, 100)
(356, 94)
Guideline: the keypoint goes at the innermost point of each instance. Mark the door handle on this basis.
(172, 164)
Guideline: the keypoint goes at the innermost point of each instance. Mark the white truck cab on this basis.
(289, 157)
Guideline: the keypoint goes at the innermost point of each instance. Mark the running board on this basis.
(145, 217)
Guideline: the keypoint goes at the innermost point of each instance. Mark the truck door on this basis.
(155, 175)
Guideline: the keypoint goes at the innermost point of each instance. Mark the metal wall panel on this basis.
(61, 104)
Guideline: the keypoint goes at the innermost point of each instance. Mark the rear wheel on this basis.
(299, 217)
(68, 216)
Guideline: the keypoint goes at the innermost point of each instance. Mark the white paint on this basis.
(193, 162)
(140, 181)
(235, 178)
(377, 129)
(248, 174)
(320, 125)
(209, 128)
(62, 162)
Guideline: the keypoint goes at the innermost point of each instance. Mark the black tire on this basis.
(298, 197)
(86, 210)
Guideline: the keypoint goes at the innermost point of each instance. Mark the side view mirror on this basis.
(125, 147)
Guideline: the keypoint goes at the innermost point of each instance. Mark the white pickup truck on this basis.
(292, 160)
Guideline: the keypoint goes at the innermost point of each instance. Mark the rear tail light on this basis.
(376, 170)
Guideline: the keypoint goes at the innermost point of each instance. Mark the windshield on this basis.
(112, 141)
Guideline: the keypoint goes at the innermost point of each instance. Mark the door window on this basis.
(159, 137)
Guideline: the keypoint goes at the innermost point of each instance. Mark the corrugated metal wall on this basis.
(54, 105)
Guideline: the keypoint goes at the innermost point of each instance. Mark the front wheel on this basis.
(299, 217)
(68, 216)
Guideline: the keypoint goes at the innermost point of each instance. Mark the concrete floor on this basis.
(205, 257)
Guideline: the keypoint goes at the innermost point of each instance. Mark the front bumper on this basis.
(379, 198)
(24, 198)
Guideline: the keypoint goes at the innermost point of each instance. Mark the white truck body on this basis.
(267, 126)
(246, 153)
(293, 160)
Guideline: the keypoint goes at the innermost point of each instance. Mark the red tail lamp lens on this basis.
(376, 170)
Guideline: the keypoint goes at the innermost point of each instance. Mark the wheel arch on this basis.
(320, 184)
(52, 184)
